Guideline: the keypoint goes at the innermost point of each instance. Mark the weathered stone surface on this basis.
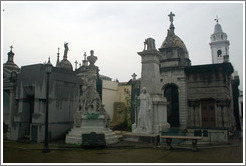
(119, 121)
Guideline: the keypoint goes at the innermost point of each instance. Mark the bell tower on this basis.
(219, 44)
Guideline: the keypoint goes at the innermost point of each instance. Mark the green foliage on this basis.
(128, 108)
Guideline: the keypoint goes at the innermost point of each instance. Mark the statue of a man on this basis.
(65, 49)
(144, 124)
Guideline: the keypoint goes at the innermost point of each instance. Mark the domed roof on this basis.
(218, 28)
(65, 64)
(172, 41)
(10, 65)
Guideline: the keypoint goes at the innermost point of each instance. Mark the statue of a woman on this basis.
(144, 124)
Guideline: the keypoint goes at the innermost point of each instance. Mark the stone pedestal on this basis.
(88, 126)
(159, 114)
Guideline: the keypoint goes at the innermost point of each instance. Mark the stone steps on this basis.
(75, 135)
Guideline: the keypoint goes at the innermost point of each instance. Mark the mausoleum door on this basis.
(208, 113)
(172, 95)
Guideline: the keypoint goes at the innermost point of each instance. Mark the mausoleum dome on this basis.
(65, 64)
(173, 41)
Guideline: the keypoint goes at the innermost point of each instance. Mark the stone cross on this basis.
(11, 47)
(76, 63)
(171, 15)
(134, 76)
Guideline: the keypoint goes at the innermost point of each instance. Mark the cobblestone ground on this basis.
(20, 152)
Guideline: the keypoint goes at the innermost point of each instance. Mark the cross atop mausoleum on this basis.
(11, 47)
(216, 19)
(134, 76)
(171, 15)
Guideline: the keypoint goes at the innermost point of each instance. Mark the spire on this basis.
(58, 55)
(76, 63)
(171, 28)
(85, 61)
(11, 55)
(219, 44)
(10, 65)
(49, 61)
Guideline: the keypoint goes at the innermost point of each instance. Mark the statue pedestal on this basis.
(89, 126)
(159, 114)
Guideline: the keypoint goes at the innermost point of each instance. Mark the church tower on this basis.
(219, 45)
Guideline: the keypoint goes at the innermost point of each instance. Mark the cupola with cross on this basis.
(173, 49)
(219, 44)
(10, 65)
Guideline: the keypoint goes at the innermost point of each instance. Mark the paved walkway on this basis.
(123, 152)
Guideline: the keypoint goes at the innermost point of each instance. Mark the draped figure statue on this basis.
(144, 123)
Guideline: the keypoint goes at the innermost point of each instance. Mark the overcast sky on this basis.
(116, 31)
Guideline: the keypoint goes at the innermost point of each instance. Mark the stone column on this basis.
(11, 112)
(150, 78)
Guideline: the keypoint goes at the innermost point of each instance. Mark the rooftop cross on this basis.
(134, 76)
(11, 47)
(171, 15)
(216, 19)
(58, 50)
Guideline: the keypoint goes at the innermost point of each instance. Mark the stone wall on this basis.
(109, 95)
(210, 82)
(31, 102)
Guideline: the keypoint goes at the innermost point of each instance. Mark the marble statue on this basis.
(144, 123)
(90, 116)
(65, 49)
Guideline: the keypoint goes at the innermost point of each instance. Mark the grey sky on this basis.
(116, 31)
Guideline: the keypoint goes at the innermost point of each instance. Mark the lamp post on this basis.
(48, 68)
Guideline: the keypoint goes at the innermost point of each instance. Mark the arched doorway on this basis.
(172, 95)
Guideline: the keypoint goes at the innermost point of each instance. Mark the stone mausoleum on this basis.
(24, 97)
(202, 100)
